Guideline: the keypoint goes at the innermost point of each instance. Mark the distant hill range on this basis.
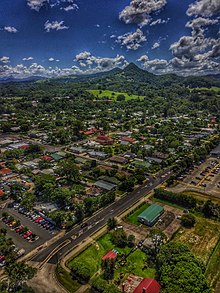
(131, 74)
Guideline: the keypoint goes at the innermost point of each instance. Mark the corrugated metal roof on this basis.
(151, 212)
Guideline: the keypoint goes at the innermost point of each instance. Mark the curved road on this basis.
(76, 235)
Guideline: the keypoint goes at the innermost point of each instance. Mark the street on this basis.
(57, 250)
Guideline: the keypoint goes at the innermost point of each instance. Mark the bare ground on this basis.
(45, 281)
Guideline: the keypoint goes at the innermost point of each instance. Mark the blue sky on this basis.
(59, 37)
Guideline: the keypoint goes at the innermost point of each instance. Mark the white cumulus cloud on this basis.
(5, 59)
(54, 25)
(131, 40)
(10, 29)
(139, 11)
(204, 8)
(27, 58)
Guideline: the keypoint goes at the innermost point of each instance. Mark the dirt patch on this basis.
(45, 281)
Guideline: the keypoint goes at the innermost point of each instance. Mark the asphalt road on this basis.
(77, 235)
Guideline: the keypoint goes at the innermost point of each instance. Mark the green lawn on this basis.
(66, 280)
(113, 95)
(213, 268)
(132, 218)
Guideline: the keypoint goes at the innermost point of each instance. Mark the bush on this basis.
(188, 221)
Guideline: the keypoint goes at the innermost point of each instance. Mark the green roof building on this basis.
(151, 215)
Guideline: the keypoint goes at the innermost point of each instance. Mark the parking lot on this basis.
(42, 233)
(202, 177)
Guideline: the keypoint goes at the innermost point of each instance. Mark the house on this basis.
(135, 284)
(105, 185)
(150, 215)
(77, 150)
(148, 285)
(1, 193)
(128, 140)
(5, 171)
(216, 152)
(97, 155)
(118, 160)
(47, 158)
(104, 140)
(153, 159)
(91, 131)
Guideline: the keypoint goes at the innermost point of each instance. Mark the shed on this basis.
(110, 255)
(151, 214)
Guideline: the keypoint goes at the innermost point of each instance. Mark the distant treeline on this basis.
(208, 208)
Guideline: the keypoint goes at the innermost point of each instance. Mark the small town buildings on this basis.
(150, 216)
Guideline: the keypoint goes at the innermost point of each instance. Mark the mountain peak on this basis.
(132, 67)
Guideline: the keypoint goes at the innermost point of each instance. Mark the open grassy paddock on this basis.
(113, 95)
(202, 238)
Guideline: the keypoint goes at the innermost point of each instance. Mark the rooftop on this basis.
(151, 212)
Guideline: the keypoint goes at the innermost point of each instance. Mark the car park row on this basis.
(38, 218)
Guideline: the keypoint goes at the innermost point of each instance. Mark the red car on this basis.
(38, 219)
(27, 234)
(19, 229)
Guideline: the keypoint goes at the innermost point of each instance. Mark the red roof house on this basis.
(1, 193)
(24, 147)
(148, 285)
(128, 139)
(111, 254)
(47, 158)
(5, 171)
(91, 131)
(103, 139)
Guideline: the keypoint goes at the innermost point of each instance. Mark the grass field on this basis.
(132, 218)
(66, 280)
(113, 95)
(202, 238)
